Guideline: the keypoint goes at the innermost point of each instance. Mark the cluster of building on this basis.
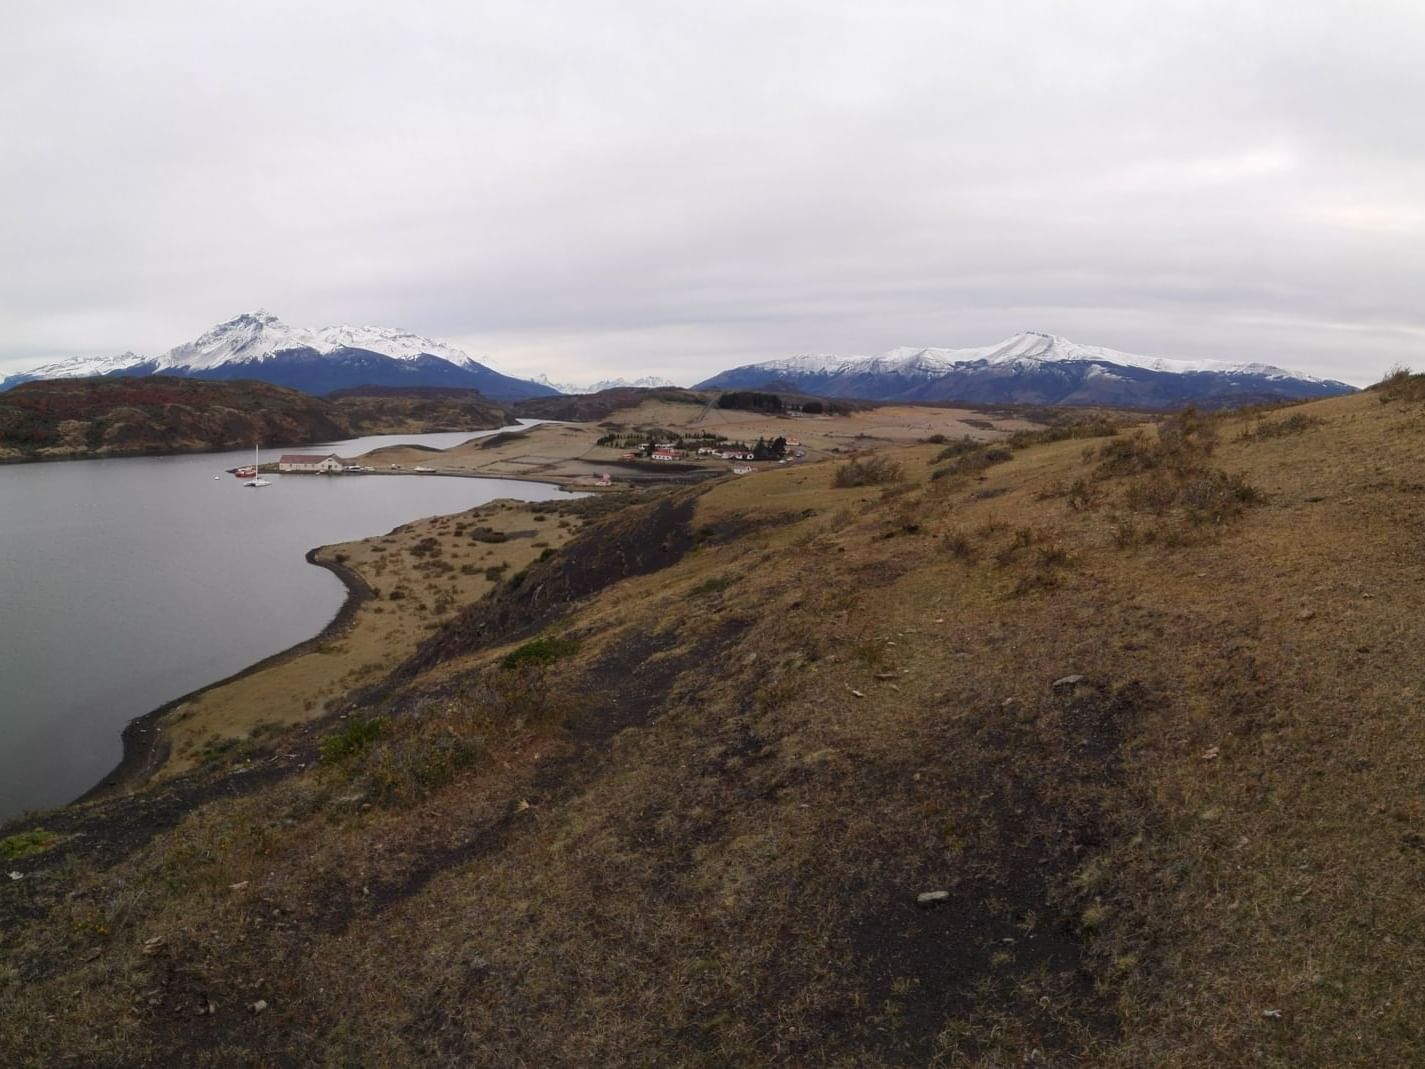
(671, 451)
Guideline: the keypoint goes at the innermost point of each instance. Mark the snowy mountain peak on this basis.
(1032, 367)
(258, 335)
(259, 345)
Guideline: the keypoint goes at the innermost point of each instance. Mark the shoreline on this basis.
(144, 750)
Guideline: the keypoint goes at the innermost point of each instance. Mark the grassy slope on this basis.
(698, 839)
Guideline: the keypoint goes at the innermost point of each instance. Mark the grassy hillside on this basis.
(1074, 748)
(416, 410)
(66, 418)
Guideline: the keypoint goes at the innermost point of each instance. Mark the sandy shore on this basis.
(400, 586)
(146, 748)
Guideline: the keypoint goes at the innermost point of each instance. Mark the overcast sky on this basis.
(592, 188)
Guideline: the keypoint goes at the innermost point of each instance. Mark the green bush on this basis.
(543, 650)
(357, 735)
(26, 843)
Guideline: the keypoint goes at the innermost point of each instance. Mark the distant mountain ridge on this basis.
(318, 360)
(647, 382)
(1030, 368)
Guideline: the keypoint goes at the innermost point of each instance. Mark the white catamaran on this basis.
(257, 479)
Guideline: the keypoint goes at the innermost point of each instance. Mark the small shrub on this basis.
(959, 544)
(1088, 427)
(1023, 538)
(1296, 423)
(1054, 555)
(967, 458)
(1127, 456)
(1126, 533)
(956, 449)
(1401, 384)
(873, 471)
(714, 585)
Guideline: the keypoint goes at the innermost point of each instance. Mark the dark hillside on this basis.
(121, 416)
(392, 410)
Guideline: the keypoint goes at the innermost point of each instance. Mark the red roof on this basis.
(305, 458)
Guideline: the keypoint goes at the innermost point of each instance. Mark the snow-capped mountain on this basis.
(258, 335)
(260, 346)
(1030, 368)
(76, 367)
(648, 382)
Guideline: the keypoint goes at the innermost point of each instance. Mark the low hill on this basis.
(416, 410)
(68, 418)
(590, 407)
(1081, 747)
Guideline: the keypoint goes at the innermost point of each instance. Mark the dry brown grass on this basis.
(702, 842)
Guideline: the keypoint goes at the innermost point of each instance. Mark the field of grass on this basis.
(1105, 750)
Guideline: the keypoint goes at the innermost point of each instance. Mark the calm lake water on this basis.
(127, 583)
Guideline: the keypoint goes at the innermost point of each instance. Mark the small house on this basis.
(326, 465)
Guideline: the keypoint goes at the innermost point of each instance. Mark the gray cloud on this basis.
(602, 187)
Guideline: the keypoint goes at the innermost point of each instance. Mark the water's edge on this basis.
(145, 751)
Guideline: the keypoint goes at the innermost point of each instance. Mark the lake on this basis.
(127, 583)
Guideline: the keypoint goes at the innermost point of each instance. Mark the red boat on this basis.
(245, 473)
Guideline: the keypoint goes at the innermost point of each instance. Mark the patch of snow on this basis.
(77, 367)
(809, 364)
